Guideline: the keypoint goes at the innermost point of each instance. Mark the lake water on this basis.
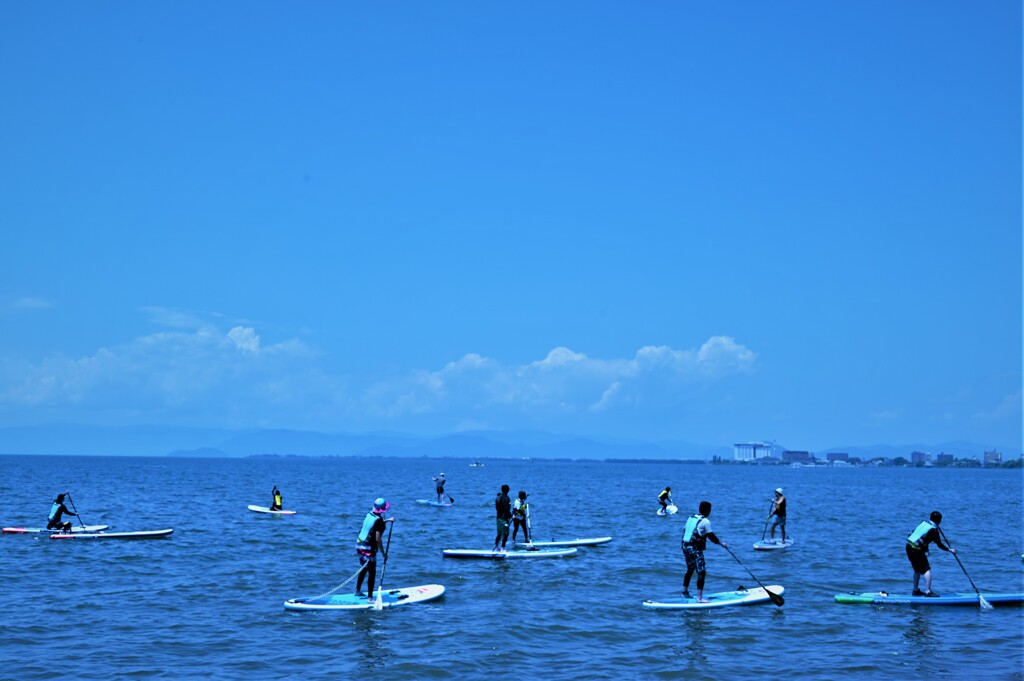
(207, 602)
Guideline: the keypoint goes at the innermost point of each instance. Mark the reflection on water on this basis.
(373, 651)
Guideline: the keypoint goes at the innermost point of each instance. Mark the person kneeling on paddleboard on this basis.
(58, 509)
(695, 536)
(665, 498)
(369, 542)
(917, 551)
(276, 506)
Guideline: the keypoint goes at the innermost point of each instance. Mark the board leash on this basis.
(335, 589)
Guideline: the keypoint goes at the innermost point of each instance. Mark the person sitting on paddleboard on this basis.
(503, 509)
(521, 517)
(695, 536)
(276, 506)
(56, 511)
(369, 542)
(779, 511)
(917, 551)
(665, 498)
(439, 487)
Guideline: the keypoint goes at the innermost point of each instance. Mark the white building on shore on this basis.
(751, 451)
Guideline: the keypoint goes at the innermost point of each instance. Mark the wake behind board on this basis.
(883, 598)
(264, 509)
(391, 597)
(438, 504)
(568, 542)
(671, 509)
(508, 555)
(773, 544)
(717, 600)
(43, 530)
(144, 534)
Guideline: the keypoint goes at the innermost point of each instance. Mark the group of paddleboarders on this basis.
(506, 511)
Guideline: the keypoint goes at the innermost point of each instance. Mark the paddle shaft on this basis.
(384, 568)
(766, 520)
(776, 598)
(943, 534)
(68, 494)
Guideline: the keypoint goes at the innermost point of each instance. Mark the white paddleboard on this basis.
(671, 509)
(716, 600)
(43, 530)
(349, 601)
(568, 542)
(508, 555)
(773, 544)
(264, 509)
(144, 534)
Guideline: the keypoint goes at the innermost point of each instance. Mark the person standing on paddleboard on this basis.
(917, 552)
(779, 511)
(369, 542)
(276, 506)
(503, 509)
(521, 517)
(665, 498)
(53, 521)
(695, 536)
(439, 487)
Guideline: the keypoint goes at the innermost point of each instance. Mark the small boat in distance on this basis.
(476, 464)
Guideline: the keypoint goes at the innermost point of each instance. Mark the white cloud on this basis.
(244, 338)
(30, 303)
(1009, 407)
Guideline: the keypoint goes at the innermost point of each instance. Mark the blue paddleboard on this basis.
(883, 598)
(717, 600)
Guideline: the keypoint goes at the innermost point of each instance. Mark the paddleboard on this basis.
(883, 598)
(717, 600)
(508, 555)
(145, 534)
(264, 509)
(438, 504)
(671, 510)
(43, 530)
(568, 542)
(391, 597)
(773, 544)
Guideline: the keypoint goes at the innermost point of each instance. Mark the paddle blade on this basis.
(777, 599)
(379, 603)
(985, 605)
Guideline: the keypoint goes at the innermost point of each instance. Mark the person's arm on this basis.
(936, 537)
(67, 511)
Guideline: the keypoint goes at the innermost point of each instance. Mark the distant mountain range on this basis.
(71, 439)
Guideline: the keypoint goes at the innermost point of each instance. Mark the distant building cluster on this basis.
(767, 453)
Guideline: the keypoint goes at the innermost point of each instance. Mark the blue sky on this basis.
(696, 221)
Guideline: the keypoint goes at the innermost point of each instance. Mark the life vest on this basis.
(916, 538)
(368, 523)
(277, 500)
(665, 494)
(520, 509)
(54, 510)
(691, 528)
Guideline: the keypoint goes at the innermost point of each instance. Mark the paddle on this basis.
(379, 603)
(766, 520)
(985, 605)
(451, 498)
(68, 495)
(776, 598)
